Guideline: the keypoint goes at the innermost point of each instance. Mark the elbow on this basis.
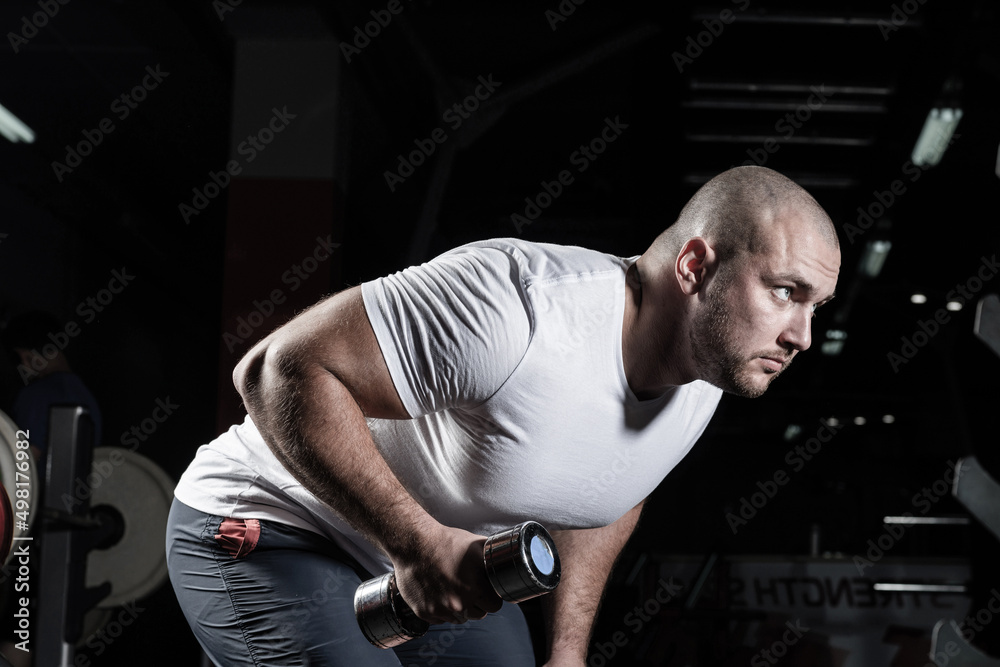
(267, 370)
(249, 371)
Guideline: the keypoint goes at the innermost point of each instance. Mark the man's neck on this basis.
(651, 349)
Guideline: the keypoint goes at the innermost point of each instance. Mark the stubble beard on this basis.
(715, 346)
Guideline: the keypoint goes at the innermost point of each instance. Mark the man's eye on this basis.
(783, 293)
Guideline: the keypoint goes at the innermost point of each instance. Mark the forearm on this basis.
(587, 558)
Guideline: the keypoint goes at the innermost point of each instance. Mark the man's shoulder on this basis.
(59, 383)
(542, 262)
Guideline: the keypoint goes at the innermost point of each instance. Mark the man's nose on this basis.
(797, 333)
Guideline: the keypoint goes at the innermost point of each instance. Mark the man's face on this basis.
(754, 320)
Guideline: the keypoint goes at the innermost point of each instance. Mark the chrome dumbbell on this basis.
(521, 563)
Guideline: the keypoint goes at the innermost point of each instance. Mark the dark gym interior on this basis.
(199, 171)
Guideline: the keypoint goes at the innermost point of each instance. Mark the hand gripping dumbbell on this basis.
(521, 563)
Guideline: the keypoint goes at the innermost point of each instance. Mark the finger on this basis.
(492, 604)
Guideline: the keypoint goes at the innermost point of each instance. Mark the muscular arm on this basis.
(587, 557)
(308, 388)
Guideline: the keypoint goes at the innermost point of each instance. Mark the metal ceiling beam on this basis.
(761, 138)
(776, 105)
(791, 18)
(751, 87)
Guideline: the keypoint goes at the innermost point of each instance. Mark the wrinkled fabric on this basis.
(238, 536)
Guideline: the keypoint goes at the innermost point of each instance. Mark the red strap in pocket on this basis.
(238, 536)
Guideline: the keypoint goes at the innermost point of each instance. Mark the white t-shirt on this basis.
(508, 357)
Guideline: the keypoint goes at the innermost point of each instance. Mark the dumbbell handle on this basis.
(521, 563)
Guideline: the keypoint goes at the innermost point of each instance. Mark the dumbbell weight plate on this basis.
(10, 479)
(522, 562)
(6, 524)
(384, 617)
(140, 492)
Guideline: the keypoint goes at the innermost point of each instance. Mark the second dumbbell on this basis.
(521, 563)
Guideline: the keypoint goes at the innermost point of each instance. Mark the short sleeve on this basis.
(451, 330)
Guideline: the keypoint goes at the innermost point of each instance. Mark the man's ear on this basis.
(693, 263)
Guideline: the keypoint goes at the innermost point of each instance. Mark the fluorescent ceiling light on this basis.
(832, 347)
(13, 128)
(920, 588)
(873, 257)
(935, 137)
(918, 298)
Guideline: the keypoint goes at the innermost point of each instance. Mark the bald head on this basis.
(733, 212)
(727, 293)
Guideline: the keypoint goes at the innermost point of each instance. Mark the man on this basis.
(49, 380)
(395, 424)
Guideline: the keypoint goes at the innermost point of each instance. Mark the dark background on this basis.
(560, 81)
